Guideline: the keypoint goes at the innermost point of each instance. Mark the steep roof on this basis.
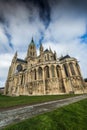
(46, 50)
(64, 57)
(21, 60)
(32, 43)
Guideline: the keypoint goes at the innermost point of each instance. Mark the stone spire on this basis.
(31, 49)
(15, 56)
(32, 42)
(55, 55)
(50, 49)
(41, 49)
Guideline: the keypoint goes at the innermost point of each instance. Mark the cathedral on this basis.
(44, 74)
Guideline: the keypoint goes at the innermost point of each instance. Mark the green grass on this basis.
(71, 117)
(6, 101)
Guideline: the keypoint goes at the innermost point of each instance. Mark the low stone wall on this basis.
(2, 90)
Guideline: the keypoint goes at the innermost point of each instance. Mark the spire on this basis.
(50, 50)
(55, 55)
(31, 49)
(32, 42)
(41, 49)
(15, 55)
(41, 46)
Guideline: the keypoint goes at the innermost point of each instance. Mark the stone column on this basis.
(64, 77)
(79, 70)
(74, 66)
(69, 69)
(63, 72)
(50, 72)
(55, 71)
(43, 80)
(56, 78)
(10, 86)
(30, 75)
(37, 74)
(29, 78)
(25, 79)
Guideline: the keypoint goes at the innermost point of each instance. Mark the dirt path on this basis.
(16, 115)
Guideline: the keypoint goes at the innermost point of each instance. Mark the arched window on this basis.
(46, 69)
(58, 69)
(78, 69)
(39, 73)
(34, 74)
(72, 68)
(47, 56)
(66, 70)
(52, 71)
(30, 53)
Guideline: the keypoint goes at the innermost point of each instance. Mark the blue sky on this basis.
(59, 24)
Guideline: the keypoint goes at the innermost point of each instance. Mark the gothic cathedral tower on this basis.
(32, 50)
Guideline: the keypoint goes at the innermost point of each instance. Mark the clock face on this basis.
(19, 68)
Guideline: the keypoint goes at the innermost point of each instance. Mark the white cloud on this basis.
(4, 46)
(5, 61)
(65, 29)
(23, 25)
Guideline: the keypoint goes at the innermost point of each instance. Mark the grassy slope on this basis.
(71, 117)
(6, 101)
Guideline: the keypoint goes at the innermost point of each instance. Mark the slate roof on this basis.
(46, 50)
(21, 60)
(64, 57)
(32, 43)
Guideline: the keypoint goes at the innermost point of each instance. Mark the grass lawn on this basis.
(6, 101)
(71, 117)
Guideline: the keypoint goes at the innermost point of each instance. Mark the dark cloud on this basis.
(79, 5)
(45, 7)
(44, 13)
(2, 19)
(44, 10)
(9, 39)
(42, 5)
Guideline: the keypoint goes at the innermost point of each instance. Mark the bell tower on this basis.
(32, 49)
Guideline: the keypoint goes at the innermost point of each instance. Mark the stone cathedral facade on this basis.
(44, 74)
